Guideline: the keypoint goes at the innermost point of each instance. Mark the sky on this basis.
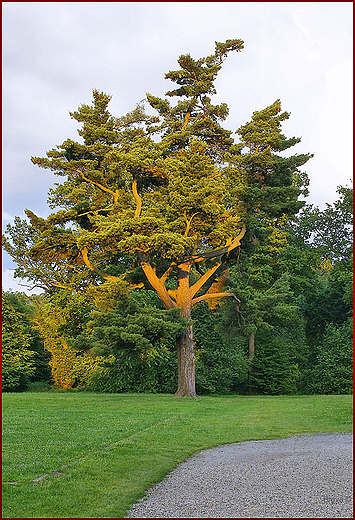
(56, 53)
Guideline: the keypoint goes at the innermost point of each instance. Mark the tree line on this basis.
(179, 258)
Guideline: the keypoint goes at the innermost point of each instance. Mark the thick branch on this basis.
(173, 294)
(186, 120)
(88, 264)
(155, 282)
(132, 285)
(167, 272)
(138, 199)
(232, 243)
(96, 211)
(62, 286)
(204, 278)
(214, 295)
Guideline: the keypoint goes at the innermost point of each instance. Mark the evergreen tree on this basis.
(273, 181)
(271, 185)
(156, 202)
(325, 239)
(132, 341)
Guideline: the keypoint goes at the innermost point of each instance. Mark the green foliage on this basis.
(130, 328)
(329, 317)
(195, 116)
(133, 343)
(272, 182)
(221, 364)
(333, 371)
(268, 323)
(275, 370)
(332, 302)
(329, 232)
(129, 374)
(18, 362)
(25, 310)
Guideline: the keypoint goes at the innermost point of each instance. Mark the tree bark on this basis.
(185, 342)
(251, 345)
(186, 365)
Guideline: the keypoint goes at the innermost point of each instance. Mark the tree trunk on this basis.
(186, 365)
(251, 344)
(185, 342)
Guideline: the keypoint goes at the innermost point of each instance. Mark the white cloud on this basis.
(56, 52)
(9, 283)
(6, 217)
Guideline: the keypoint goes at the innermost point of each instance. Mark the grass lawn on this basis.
(101, 452)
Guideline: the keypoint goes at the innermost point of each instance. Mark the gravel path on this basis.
(299, 477)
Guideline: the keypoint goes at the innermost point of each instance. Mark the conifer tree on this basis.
(271, 186)
(147, 202)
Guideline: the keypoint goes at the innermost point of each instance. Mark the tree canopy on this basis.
(162, 202)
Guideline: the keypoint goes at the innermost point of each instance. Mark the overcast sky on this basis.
(55, 53)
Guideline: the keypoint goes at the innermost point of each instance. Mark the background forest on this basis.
(166, 212)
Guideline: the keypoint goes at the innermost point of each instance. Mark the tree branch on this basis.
(204, 278)
(84, 253)
(108, 208)
(172, 294)
(188, 223)
(155, 282)
(53, 283)
(107, 190)
(214, 295)
(138, 199)
(186, 120)
(132, 285)
(231, 244)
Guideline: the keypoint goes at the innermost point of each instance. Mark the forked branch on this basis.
(188, 223)
(103, 188)
(154, 281)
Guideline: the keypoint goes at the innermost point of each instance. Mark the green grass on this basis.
(113, 447)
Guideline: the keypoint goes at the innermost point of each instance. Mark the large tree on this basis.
(270, 189)
(149, 202)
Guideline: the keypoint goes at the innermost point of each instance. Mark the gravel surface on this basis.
(299, 477)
